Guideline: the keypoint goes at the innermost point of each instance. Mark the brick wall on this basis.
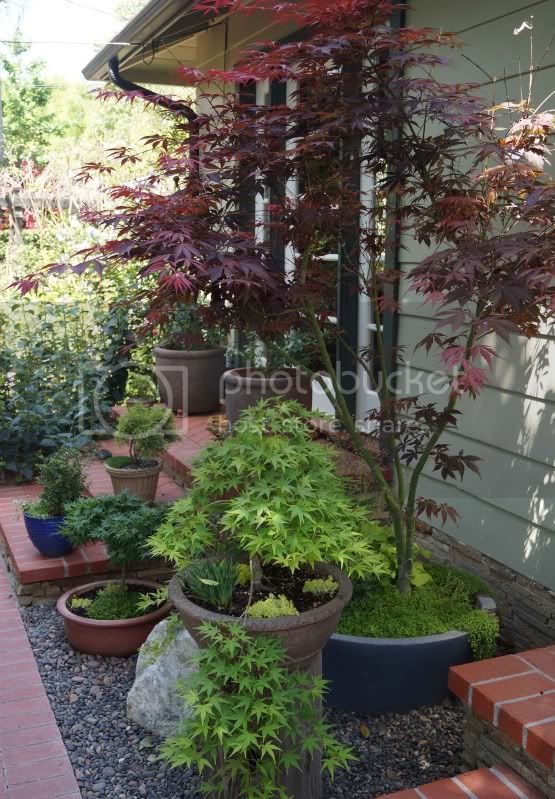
(526, 608)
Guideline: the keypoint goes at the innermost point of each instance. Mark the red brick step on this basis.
(493, 783)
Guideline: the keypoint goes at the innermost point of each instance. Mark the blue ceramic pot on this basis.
(46, 537)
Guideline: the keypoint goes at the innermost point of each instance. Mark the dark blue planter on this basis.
(391, 675)
(45, 535)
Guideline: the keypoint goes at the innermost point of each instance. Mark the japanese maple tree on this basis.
(368, 101)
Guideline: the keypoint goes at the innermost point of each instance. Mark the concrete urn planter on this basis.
(189, 380)
(245, 387)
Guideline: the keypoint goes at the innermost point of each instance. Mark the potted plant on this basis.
(190, 362)
(140, 390)
(272, 371)
(112, 617)
(62, 479)
(148, 432)
(257, 501)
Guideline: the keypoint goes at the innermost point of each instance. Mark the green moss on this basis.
(118, 461)
(321, 586)
(445, 603)
(272, 607)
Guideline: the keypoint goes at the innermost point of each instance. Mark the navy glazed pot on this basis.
(46, 537)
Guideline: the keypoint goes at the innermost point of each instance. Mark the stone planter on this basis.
(245, 387)
(141, 482)
(108, 638)
(303, 638)
(189, 380)
(392, 675)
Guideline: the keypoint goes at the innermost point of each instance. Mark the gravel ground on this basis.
(118, 760)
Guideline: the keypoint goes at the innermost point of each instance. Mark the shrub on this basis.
(253, 718)
(272, 608)
(140, 386)
(114, 602)
(147, 431)
(63, 481)
(123, 522)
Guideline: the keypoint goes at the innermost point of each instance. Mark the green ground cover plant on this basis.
(446, 602)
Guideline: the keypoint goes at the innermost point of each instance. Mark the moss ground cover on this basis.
(445, 603)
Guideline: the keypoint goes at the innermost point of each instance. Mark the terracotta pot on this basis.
(108, 638)
(141, 482)
(303, 636)
(189, 380)
(245, 387)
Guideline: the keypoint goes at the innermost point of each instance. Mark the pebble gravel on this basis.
(114, 759)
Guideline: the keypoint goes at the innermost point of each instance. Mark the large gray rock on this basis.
(165, 657)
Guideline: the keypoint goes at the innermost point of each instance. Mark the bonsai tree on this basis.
(123, 523)
(268, 494)
(369, 105)
(147, 431)
(62, 478)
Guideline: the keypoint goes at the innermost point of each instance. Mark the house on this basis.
(508, 515)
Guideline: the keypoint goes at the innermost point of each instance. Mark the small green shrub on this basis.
(140, 386)
(253, 718)
(123, 522)
(212, 581)
(147, 431)
(63, 481)
(114, 602)
(272, 608)
(446, 602)
(321, 586)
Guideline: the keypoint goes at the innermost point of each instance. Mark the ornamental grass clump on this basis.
(269, 495)
(253, 718)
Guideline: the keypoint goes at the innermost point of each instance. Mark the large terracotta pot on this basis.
(245, 387)
(303, 636)
(189, 380)
(141, 482)
(108, 638)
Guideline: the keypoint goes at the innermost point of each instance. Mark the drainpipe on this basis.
(129, 86)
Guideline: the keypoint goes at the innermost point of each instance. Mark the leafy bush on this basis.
(123, 522)
(261, 490)
(212, 581)
(446, 602)
(185, 329)
(140, 386)
(147, 431)
(272, 608)
(253, 718)
(63, 481)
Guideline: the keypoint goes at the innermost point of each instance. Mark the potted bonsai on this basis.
(140, 390)
(112, 617)
(257, 530)
(260, 546)
(190, 362)
(148, 432)
(62, 480)
(272, 371)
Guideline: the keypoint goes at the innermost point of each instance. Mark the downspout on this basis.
(128, 86)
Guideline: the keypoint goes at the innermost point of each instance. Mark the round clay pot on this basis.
(141, 482)
(108, 638)
(189, 380)
(245, 387)
(303, 636)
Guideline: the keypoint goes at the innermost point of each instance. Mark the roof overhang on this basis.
(159, 37)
